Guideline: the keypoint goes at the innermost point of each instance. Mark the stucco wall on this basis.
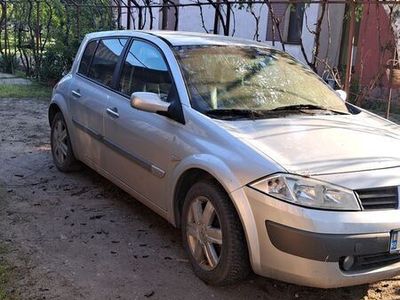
(243, 24)
(374, 45)
(331, 32)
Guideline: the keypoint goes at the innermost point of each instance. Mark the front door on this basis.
(141, 143)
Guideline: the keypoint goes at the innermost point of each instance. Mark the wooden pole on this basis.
(228, 18)
(391, 67)
(350, 45)
(164, 11)
(5, 29)
(216, 17)
(37, 33)
(128, 21)
(390, 85)
(78, 22)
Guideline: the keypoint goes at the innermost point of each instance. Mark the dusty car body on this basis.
(308, 195)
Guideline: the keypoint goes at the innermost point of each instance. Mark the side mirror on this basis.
(342, 94)
(149, 102)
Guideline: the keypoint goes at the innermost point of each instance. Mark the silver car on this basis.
(261, 164)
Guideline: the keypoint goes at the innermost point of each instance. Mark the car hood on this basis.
(322, 144)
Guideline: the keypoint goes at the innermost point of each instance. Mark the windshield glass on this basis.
(251, 78)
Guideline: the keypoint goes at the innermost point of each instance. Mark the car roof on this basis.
(182, 38)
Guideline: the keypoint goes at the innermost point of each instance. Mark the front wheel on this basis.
(61, 148)
(213, 235)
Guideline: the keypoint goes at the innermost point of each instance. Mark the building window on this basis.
(290, 23)
(295, 27)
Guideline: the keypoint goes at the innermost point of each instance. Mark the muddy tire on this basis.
(213, 236)
(61, 149)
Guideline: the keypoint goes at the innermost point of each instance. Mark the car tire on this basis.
(61, 149)
(213, 237)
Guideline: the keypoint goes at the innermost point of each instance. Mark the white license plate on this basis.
(395, 241)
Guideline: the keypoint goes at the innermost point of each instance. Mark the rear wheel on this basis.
(61, 148)
(213, 236)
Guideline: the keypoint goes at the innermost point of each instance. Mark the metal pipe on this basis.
(241, 2)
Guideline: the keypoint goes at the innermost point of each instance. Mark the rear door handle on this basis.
(76, 94)
(113, 112)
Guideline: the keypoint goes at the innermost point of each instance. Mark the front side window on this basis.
(251, 78)
(145, 70)
(105, 59)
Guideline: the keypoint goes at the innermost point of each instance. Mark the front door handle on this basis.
(113, 112)
(76, 94)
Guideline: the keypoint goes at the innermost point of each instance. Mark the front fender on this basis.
(210, 164)
(223, 174)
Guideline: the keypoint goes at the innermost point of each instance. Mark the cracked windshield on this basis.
(252, 79)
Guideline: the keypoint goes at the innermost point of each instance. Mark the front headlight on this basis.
(307, 192)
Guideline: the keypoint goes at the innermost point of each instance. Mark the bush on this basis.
(57, 59)
(8, 63)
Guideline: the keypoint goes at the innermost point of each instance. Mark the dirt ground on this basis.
(78, 236)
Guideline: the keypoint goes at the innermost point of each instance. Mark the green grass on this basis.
(35, 90)
(20, 74)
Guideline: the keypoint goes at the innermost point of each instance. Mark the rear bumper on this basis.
(306, 246)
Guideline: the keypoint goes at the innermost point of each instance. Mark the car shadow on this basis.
(254, 286)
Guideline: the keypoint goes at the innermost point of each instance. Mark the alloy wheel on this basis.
(204, 233)
(60, 141)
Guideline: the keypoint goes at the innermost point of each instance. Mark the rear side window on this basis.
(105, 59)
(145, 70)
(87, 57)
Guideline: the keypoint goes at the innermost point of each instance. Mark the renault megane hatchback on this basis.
(261, 164)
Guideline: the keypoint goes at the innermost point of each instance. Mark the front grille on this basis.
(366, 262)
(379, 198)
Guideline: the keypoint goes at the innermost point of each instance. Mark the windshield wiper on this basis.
(301, 107)
(236, 113)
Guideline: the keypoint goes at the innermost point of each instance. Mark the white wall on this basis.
(242, 24)
(331, 33)
(245, 26)
(190, 20)
(135, 17)
(308, 38)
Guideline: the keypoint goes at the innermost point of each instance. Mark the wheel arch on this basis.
(192, 169)
(59, 104)
(53, 110)
(193, 172)
(185, 181)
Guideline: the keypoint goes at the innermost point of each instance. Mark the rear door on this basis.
(141, 143)
(90, 91)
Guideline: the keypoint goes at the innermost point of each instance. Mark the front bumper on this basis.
(326, 247)
(307, 246)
